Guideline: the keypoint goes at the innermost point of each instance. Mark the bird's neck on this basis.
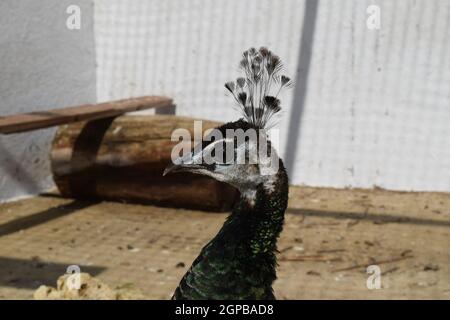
(257, 222)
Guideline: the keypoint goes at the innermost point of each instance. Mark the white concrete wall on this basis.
(368, 108)
(42, 65)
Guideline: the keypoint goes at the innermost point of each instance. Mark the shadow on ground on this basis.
(378, 218)
(43, 217)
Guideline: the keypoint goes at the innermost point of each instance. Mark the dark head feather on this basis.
(270, 100)
(230, 86)
(286, 81)
(272, 103)
(244, 63)
(242, 98)
(256, 93)
(240, 82)
(264, 52)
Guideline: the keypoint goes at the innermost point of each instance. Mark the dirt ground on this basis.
(329, 239)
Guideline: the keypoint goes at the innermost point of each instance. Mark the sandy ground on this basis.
(330, 237)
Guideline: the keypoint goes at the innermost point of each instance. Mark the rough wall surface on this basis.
(369, 107)
(43, 65)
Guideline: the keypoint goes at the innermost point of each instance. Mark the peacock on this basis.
(240, 261)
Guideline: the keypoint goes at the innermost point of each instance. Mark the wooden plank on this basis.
(48, 118)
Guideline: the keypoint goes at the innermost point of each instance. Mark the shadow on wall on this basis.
(301, 83)
(15, 171)
(44, 65)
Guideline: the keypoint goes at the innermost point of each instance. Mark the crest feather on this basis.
(257, 91)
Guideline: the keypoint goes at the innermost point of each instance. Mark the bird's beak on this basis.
(181, 167)
(186, 163)
(171, 168)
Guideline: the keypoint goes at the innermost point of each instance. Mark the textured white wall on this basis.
(42, 65)
(368, 108)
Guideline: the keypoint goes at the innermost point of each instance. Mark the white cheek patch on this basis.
(248, 153)
(189, 158)
(244, 156)
(215, 153)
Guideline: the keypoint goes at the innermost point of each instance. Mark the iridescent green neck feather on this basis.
(240, 262)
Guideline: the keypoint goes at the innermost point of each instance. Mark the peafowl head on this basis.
(240, 152)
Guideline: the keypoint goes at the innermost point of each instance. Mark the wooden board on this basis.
(44, 119)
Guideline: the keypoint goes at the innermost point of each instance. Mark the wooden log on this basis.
(123, 159)
(44, 119)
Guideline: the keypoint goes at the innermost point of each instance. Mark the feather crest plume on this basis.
(257, 92)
